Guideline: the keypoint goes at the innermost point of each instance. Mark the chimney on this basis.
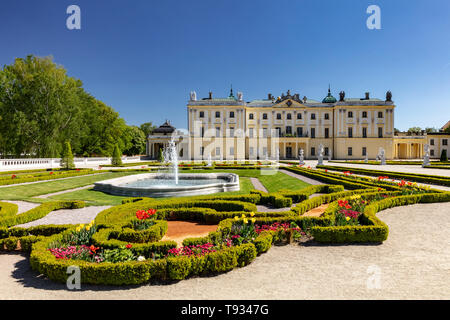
(367, 96)
(210, 95)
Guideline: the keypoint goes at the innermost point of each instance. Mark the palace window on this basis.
(350, 151)
(364, 151)
(313, 151)
(217, 151)
(264, 132)
(278, 116)
(299, 116)
(299, 131)
(264, 116)
(350, 132)
(431, 152)
(380, 114)
(432, 142)
(288, 130)
(350, 114)
(327, 132)
(327, 116)
(217, 114)
(364, 115)
(231, 151)
(313, 116)
(250, 151)
(326, 151)
(289, 116)
(217, 132)
(364, 132)
(202, 114)
(231, 114)
(380, 132)
(250, 116)
(313, 132)
(278, 131)
(444, 142)
(250, 132)
(231, 132)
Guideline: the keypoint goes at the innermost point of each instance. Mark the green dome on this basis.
(329, 98)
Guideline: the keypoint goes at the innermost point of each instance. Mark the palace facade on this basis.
(232, 129)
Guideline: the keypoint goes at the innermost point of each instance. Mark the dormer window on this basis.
(202, 114)
(217, 114)
(364, 114)
(350, 114)
(231, 114)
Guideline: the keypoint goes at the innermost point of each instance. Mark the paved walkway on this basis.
(48, 195)
(258, 185)
(303, 178)
(414, 263)
(68, 216)
(23, 206)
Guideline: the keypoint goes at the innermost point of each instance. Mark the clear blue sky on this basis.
(144, 57)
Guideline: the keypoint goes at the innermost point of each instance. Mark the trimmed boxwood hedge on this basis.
(114, 230)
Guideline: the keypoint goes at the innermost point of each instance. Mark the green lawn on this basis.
(97, 198)
(280, 181)
(28, 191)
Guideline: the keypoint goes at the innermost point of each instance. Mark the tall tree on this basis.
(67, 157)
(39, 107)
(147, 128)
(116, 159)
(137, 141)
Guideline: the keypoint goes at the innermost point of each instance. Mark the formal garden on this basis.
(128, 243)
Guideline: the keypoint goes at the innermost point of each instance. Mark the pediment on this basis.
(288, 103)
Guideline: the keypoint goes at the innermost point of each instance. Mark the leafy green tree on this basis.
(147, 128)
(414, 130)
(137, 141)
(116, 159)
(67, 157)
(160, 155)
(431, 130)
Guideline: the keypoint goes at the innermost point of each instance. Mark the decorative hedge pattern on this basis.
(114, 228)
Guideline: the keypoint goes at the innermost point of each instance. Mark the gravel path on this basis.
(414, 263)
(50, 180)
(23, 205)
(258, 185)
(44, 196)
(303, 178)
(68, 216)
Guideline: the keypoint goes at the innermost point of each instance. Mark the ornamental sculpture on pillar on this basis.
(193, 96)
(389, 96)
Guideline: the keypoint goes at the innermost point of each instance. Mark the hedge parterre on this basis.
(123, 244)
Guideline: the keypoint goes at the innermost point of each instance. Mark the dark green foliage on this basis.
(444, 157)
(67, 157)
(116, 159)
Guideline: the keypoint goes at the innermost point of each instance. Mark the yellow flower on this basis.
(245, 221)
(252, 214)
(78, 229)
(348, 218)
(243, 216)
(236, 218)
(82, 225)
(88, 228)
(253, 220)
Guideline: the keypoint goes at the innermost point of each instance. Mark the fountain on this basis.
(171, 184)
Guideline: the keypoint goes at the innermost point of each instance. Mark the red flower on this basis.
(13, 176)
(128, 246)
(93, 248)
(51, 172)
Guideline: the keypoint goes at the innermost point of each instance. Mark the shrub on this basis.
(116, 159)
(67, 157)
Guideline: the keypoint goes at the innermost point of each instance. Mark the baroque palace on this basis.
(347, 128)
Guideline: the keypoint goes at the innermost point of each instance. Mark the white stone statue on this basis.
(366, 158)
(426, 158)
(240, 96)
(320, 158)
(301, 157)
(382, 157)
(193, 96)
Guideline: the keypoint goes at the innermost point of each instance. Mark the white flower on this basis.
(140, 258)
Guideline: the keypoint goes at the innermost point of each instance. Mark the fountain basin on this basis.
(159, 185)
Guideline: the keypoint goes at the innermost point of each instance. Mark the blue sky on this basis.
(144, 57)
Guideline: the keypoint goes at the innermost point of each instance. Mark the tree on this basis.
(67, 157)
(396, 131)
(414, 130)
(147, 128)
(137, 141)
(444, 156)
(431, 130)
(160, 155)
(116, 159)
